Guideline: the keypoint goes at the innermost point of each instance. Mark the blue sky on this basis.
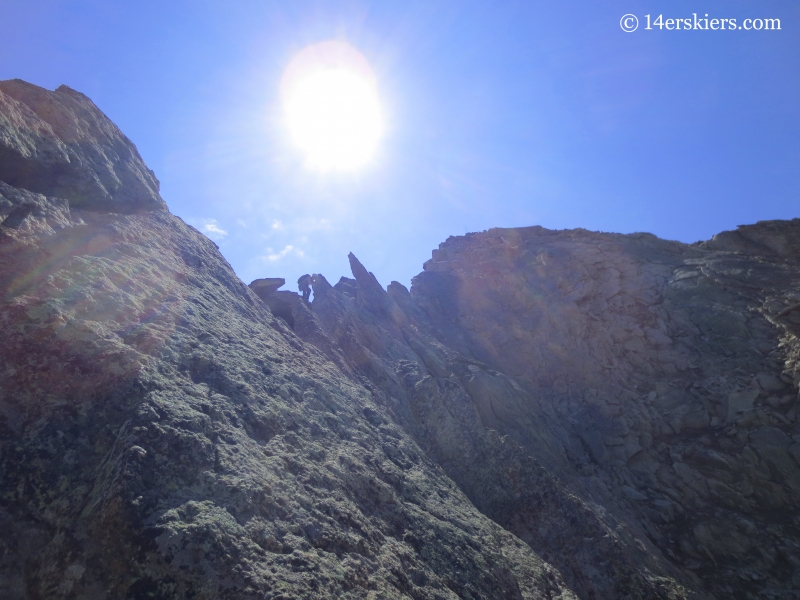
(499, 114)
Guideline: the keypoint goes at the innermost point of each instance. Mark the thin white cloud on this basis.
(212, 229)
(277, 224)
(273, 256)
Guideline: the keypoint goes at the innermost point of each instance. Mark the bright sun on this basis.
(331, 106)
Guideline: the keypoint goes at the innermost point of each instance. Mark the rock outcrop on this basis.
(59, 144)
(545, 414)
(264, 288)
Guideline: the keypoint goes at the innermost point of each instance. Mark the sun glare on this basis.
(331, 107)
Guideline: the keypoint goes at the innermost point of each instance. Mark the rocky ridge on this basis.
(543, 415)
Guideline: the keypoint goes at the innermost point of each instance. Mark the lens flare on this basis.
(331, 107)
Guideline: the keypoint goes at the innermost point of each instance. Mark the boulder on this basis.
(264, 287)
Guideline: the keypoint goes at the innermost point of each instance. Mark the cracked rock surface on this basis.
(545, 414)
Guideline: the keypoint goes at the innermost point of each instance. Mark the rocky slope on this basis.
(543, 415)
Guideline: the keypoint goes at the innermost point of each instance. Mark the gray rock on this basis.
(60, 144)
(772, 446)
(264, 287)
(739, 402)
(770, 382)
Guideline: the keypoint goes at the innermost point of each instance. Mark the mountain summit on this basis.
(544, 414)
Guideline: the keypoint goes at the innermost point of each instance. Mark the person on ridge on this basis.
(304, 285)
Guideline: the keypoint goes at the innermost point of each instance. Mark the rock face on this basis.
(60, 144)
(667, 376)
(543, 415)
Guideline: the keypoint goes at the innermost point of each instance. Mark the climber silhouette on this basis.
(304, 285)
